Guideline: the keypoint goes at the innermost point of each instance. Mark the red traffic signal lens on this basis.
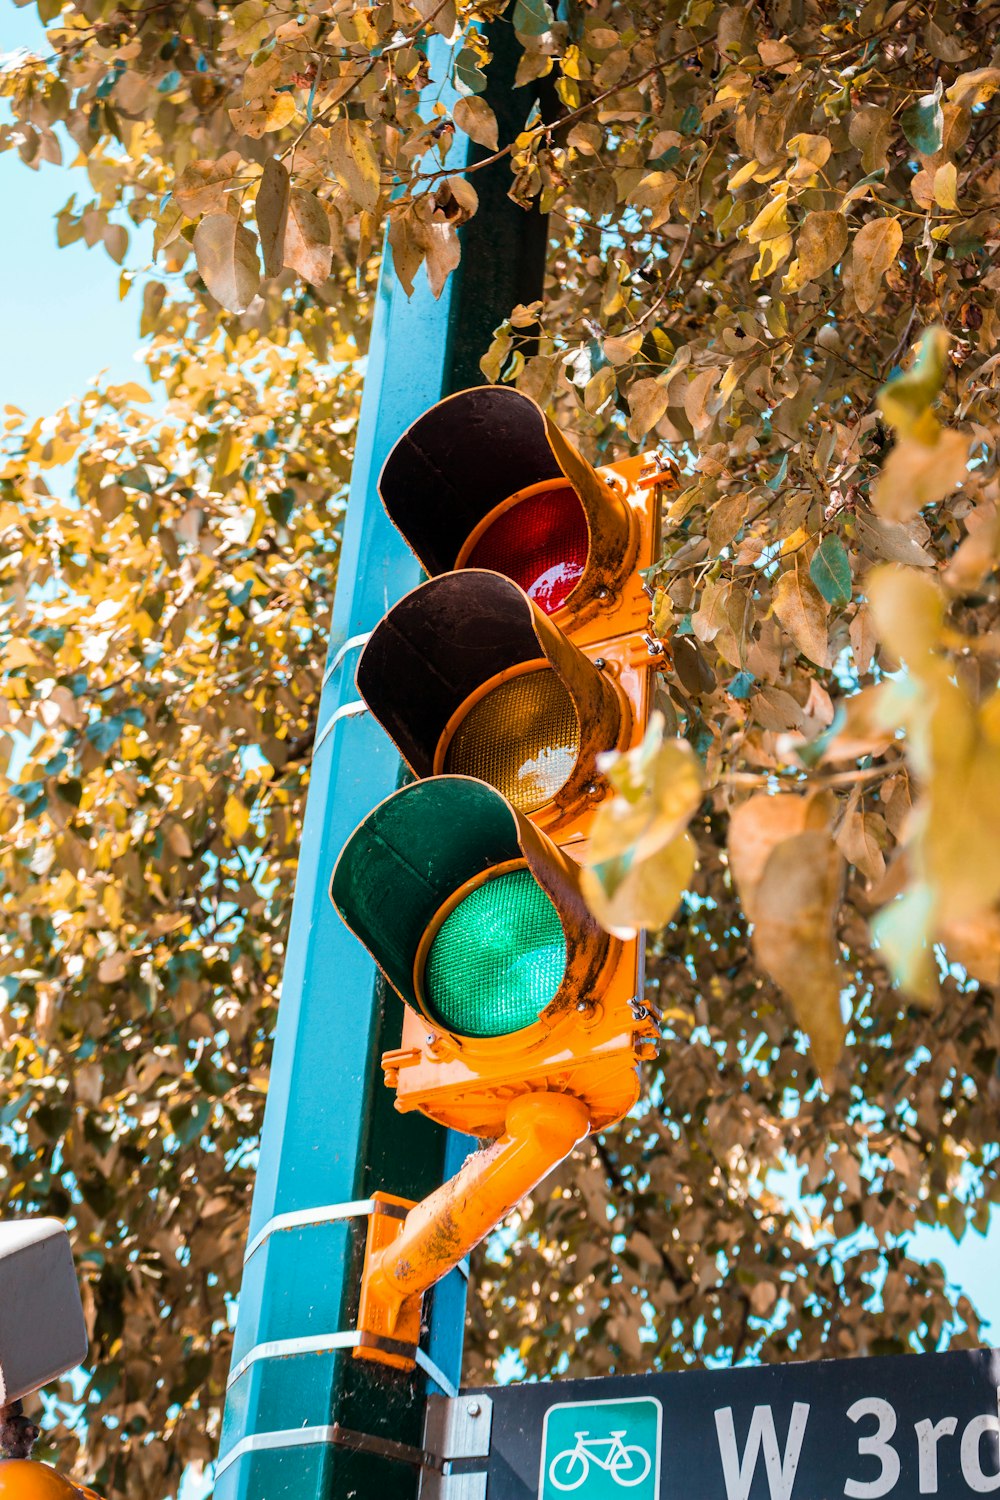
(522, 737)
(541, 542)
(498, 958)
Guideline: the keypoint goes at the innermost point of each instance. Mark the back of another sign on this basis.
(42, 1329)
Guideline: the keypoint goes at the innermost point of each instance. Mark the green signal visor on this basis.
(415, 852)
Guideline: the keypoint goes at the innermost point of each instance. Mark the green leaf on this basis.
(923, 123)
(532, 17)
(830, 570)
(105, 733)
(468, 74)
(741, 685)
(901, 931)
(777, 479)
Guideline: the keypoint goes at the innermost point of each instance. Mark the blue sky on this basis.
(61, 322)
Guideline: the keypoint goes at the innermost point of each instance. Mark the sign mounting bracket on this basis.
(456, 1430)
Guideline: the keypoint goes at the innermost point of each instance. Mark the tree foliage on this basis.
(162, 632)
(773, 240)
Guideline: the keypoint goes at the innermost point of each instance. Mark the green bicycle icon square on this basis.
(602, 1450)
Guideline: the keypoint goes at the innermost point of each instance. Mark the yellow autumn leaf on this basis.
(647, 399)
(259, 116)
(973, 940)
(639, 858)
(773, 253)
(794, 937)
(812, 152)
(957, 847)
(917, 474)
(308, 244)
(743, 175)
(876, 246)
(821, 242)
(355, 162)
(946, 186)
(226, 252)
(648, 893)
(622, 348)
(906, 398)
(600, 387)
(236, 818)
(802, 610)
(756, 828)
(907, 607)
(474, 116)
(111, 900)
(772, 221)
(970, 89)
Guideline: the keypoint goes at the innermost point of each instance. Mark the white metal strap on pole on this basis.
(349, 645)
(345, 711)
(319, 1343)
(323, 1343)
(302, 1218)
(259, 1442)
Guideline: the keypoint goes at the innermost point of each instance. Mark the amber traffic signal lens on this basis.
(497, 959)
(541, 542)
(522, 737)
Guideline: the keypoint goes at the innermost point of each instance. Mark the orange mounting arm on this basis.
(408, 1252)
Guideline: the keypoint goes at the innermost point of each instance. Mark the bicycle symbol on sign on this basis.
(627, 1465)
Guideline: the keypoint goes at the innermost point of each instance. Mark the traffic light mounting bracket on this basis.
(404, 1257)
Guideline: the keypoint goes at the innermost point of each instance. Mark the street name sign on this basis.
(864, 1429)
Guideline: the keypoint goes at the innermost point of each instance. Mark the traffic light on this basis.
(501, 680)
(485, 480)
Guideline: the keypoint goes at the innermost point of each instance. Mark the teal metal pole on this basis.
(331, 1136)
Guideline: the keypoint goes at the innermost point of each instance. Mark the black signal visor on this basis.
(462, 634)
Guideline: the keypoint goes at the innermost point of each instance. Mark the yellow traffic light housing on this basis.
(501, 681)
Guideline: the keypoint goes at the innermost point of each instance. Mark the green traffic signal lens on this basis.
(497, 960)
